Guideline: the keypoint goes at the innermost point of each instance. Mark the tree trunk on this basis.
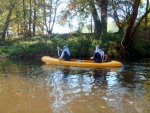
(146, 19)
(128, 30)
(44, 13)
(97, 22)
(24, 27)
(54, 18)
(104, 5)
(34, 23)
(116, 18)
(7, 21)
(30, 20)
(138, 23)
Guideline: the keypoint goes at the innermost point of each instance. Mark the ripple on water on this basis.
(55, 90)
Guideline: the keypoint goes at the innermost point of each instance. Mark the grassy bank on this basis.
(81, 45)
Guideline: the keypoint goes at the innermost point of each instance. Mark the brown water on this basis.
(33, 87)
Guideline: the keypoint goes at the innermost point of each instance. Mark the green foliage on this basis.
(15, 50)
(34, 45)
(78, 44)
(111, 50)
(81, 45)
(111, 37)
(142, 40)
(108, 41)
(3, 51)
(142, 47)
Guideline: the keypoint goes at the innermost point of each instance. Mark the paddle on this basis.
(58, 52)
(58, 56)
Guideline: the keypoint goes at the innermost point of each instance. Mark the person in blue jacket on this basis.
(99, 55)
(65, 53)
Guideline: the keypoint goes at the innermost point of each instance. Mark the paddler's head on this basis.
(64, 47)
(97, 48)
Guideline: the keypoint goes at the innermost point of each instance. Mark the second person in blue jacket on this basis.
(65, 53)
(99, 55)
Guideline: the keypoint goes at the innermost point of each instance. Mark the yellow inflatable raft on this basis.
(80, 63)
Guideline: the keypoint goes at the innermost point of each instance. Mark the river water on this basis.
(31, 86)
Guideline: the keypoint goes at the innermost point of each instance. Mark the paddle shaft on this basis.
(59, 56)
(58, 53)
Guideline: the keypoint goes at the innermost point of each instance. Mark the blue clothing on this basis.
(97, 57)
(65, 56)
(65, 53)
(98, 50)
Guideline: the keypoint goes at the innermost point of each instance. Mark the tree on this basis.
(97, 22)
(120, 11)
(6, 24)
(35, 17)
(131, 28)
(50, 13)
(86, 8)
(103, 5)
(30, 17)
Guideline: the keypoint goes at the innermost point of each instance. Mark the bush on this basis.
(81, 45)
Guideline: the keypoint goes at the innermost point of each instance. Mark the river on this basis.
(31, 86)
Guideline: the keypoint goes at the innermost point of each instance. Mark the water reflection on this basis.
(130, 76)
(66, 72)
(81, 86)
(31, 88)
(99, 75)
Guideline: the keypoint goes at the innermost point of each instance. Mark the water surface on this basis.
(30, 86)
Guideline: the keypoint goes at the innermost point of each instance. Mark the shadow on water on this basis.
(29, 86)
(133, 76)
